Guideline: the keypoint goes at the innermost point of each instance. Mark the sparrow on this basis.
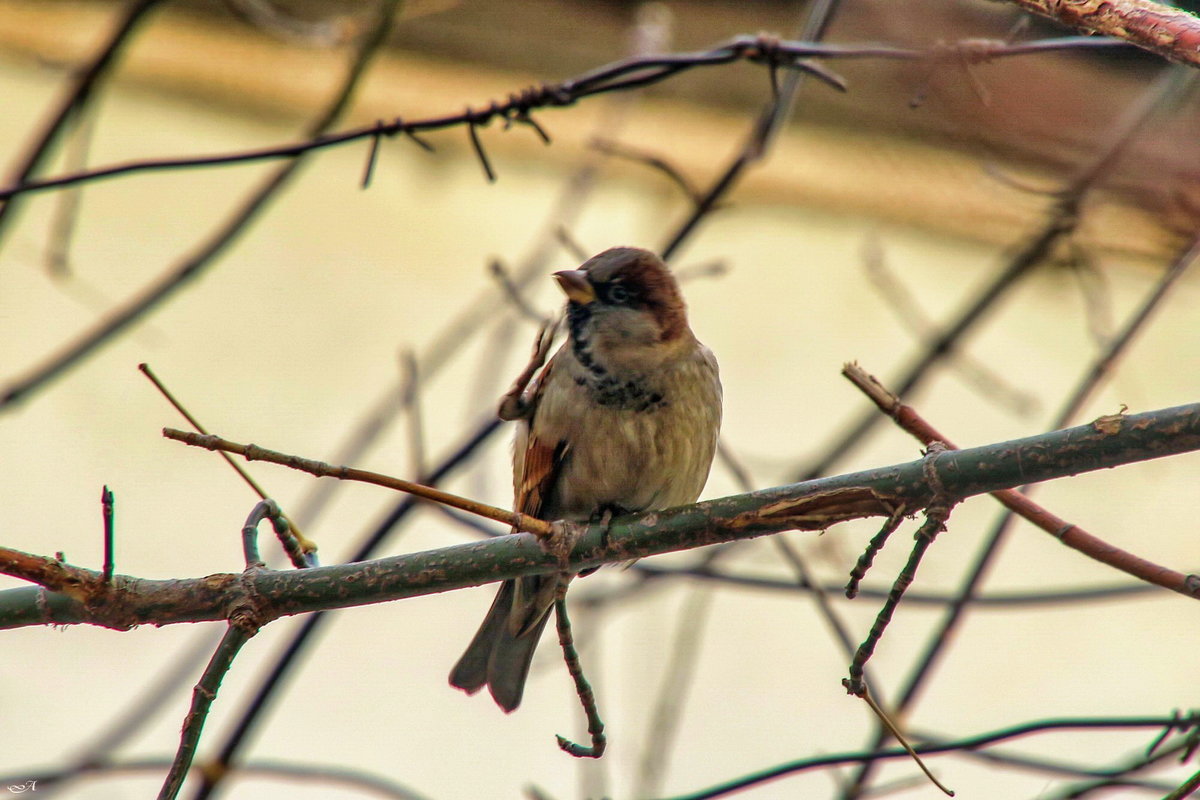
(624, 418)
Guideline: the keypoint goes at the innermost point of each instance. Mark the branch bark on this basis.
(74, 595)
(1169, 32)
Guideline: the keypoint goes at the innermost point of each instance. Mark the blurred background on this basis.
(374, 326)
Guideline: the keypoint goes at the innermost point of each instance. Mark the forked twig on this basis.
(1070, 534)
(306, 556)
(936, 515)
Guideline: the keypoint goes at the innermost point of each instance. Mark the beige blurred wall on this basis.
(299, 328)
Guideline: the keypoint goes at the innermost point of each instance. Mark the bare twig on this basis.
(1185, 584)
(188, 268)
(416, 418)
(335, 31)
(372, 158)
(267, 509)
(859, 571)
(1060, 222)
(582, 688)
(151, 698)
(251, 452)
(203, 696)
(79, 95)
(1068, 533)
(267, 688)
(1186, 789)
(106, 507)
(670, 703)
(282, 771)
(66, 210)
(513, 292)
(651, 160)
(990, 385)
(899, 736)
(968, 743)
(308, 548)
(935, 522)
(994, 600)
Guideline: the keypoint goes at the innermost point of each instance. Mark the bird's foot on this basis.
(604, 517)
(561, 540)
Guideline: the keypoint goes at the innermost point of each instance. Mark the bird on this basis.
(624, 418)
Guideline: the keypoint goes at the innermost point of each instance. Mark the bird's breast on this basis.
(631, 441)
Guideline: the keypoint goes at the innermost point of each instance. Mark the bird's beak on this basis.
(577, 287)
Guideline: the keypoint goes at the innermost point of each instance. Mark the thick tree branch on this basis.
(1170, 32)
(813, 505)
(1068, 533)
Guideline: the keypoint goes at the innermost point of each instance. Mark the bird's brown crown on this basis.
(637, 278)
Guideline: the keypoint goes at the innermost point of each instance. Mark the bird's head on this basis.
(625, 300)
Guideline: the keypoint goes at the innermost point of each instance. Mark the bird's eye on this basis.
(617, 294)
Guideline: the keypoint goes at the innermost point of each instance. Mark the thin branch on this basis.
(1186, 789)
(66, 209)
(899, 736)
(956, 745)
(74, 102)
(151, 698)
(513, 292)
(203, 695)
(582, 688)
(867, 559)
(1185, 584)
(1060, 222)
(989, 384)
(135, 308)
(106, 510)
(251, 452)
(663, 726)
(306, 556)
(1068, 533)
(935, 523)
(266, 690)
(416, 416)
(656, 162)
(995, 600)
(269, 509)
(282, 771)
(334, 31)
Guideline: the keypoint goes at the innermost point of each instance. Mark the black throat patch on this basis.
(606, 389)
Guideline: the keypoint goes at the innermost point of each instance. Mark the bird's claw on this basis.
(561, 540)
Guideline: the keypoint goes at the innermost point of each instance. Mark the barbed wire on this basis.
(630, 73)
